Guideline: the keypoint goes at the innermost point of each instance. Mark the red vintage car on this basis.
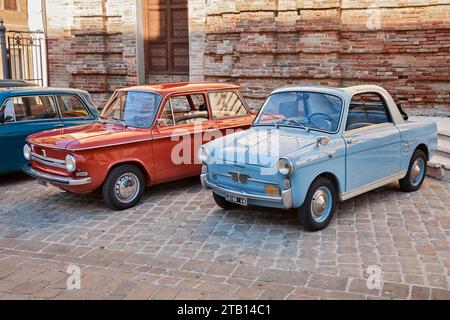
(146, 135)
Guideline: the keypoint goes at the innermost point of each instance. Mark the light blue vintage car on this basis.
(311, 147)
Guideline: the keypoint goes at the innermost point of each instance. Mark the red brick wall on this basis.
(265, 44)
(92, 45)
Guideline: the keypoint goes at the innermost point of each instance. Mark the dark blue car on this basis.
(24, 111)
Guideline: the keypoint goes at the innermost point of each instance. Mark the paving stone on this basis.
(177, 244)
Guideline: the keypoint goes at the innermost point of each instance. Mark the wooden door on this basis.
(166, 37)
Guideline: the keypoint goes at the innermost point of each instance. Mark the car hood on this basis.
(88, 137)
(261, 146)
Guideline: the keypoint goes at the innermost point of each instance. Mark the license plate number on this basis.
(238, 200)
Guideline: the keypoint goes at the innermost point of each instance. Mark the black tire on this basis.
(224, 204)
(135, 178)
(410, 183)
(306, 215)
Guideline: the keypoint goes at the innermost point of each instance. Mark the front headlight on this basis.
(71, 163)
(27, 152)
(285, 167)
(203, 155)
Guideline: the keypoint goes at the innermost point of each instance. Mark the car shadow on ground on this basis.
(53, 208)
(12, 179)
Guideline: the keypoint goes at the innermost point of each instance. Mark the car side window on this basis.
(8, 112)
(72, 107)
(226, 104)
(166, 119)
(189, 109)
(367, 109)
(32, 108)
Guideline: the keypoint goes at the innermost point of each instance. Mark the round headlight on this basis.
(27, 152)
(71, 163)
(285, 167)
(203, 155)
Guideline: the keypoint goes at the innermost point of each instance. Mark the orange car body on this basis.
(100, 147)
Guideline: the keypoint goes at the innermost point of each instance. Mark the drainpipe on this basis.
(45, 26)
(3, 50)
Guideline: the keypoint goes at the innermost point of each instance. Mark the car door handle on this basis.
(352, 140)
(58, 126)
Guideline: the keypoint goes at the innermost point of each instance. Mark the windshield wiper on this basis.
(122, 122)
(297, 123)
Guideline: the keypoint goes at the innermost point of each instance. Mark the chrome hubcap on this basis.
(127, 188)
(417, 172)
(321, 205)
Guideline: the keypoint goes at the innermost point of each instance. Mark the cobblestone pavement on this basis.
(178, 245)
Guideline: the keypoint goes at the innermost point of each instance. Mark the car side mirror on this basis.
(162, 123)
(323, 141)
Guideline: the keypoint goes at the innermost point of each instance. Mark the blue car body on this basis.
(13, 132)
(244, 165)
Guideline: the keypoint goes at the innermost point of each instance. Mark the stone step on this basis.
(444, 148)
(439, 167)
(444, 138)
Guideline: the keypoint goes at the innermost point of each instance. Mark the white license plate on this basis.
(235, 199)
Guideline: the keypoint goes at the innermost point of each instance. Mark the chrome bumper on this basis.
(285, 199)
(55, 179)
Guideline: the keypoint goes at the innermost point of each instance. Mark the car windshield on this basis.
(133, 109)
(307, 110)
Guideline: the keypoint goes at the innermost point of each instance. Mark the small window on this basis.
(72, 107)
(226, 105)
(366, 110)
(33, 108)
(167, 119)
(180, 104)
(189, 109)
(8, 110)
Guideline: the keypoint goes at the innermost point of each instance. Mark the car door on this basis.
(24, 115)
(229, 111)
(73, 110)
(373, 142)
(178, 135)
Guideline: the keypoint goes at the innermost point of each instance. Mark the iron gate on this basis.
(26, 56)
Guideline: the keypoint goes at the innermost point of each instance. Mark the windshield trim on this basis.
(112, 121)
(254, 124)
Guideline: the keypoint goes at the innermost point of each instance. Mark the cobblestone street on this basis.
(179, 245)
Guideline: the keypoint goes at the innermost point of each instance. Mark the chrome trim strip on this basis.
(285, 199)
(55, 179)
(349, 134)
(49, 161)
(250, 179)
(372, 186)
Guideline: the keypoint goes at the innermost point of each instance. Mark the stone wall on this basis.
(402, 45)
(92, 45)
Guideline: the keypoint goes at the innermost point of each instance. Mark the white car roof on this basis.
(348, 93)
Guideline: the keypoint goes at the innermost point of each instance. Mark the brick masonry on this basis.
(265, 44)
(177, 244)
